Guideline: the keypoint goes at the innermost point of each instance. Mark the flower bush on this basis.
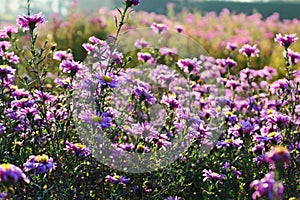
(236, 119)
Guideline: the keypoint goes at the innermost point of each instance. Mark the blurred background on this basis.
(287, 9)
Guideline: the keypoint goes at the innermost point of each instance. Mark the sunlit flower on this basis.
(40, 164)
(208, 175)
(249, 51)
(30, 22)
(62, 55)
(146, 57)
(77, 148)
(117, 179)
(159, 28)
(68, 66)
(141, 44)
(285, 40)
(108, 81)
(10, 172)
(277, 155)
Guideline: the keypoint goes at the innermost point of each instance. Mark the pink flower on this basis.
(286, 40)
(30, 22)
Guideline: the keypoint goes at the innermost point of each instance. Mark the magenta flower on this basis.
(209, 175)
(77, 148)
(286, 40)
(294, 57)
(167, 51)
(62, 55)
(178, 29)
(68, 66)
(40, 164)
(117, 179)
(142, 93)
(141, 44)
(30, 22)
(226, 63)
(267, 186)
(9, 172)
(132, 2)
(146, 57)
(249, 51)
(231, 46)
(189, 65)
(159, 28)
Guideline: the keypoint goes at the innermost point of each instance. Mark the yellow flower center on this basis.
(42, 159)
(96, 118)
(272, 134)
(228, 113)
(228, 141)
(117, 177)
(107, 79)
(6, 166)
(80, 146)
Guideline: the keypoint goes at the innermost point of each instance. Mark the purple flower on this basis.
(2, 129)
(143, 94)
(247, 127)
(9, 172)
(178, 29)
(141, 44)
(108, 81)
(30, 22)
(117, 179)
(294, 57)
(278, 155)
(132, 2)
(103, 120)
(167, 51)
(77, 148)
(12, 58)
(189, 65)
(6, 70)
(159, 28)
(170, 101)
(7, 31)
(62, 55)
(235, 143)
(146, 57)
(286, 40)
(231, 46)
(209, 175)
(40, 164)
(226, 63)
(249, 51)
(68, 66)
(267, 186)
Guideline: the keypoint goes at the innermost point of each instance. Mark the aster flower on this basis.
(132, 2)
(68, 66)
(103, 120)
(267, 186)
(231, 46)
(141, 44)
(6, 70)
(146, 57)
(189, 65)
(278, 155)
(285, 40)
(294, 57)
(179, 29)
(30, 22)
(142, 93)
(249, 51)
(167, 51)
(12, 58)
(62, 55)
(226, 63)
(10, 172)
(77, 148)
(108, 81)
(117, 179)
(170, 101)
(209, 175)
(235, 143)
(159, 28)
(40, 164)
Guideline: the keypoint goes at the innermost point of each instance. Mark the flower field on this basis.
(135, 105)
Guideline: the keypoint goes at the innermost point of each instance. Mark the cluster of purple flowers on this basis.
(11, 173)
